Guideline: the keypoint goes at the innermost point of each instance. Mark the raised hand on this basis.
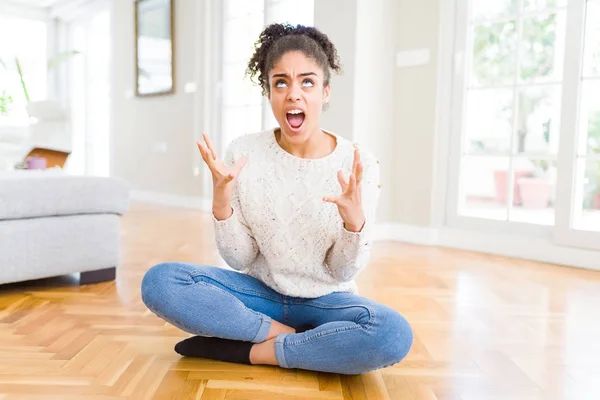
(349, 203)
(223, 177)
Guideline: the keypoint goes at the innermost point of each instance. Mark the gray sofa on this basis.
(55, 224)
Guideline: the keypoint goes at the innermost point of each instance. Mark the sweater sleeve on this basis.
(233, 236)
(350, 253)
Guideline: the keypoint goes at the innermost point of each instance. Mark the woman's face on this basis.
(297, 95)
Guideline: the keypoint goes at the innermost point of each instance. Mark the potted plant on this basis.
(43, 109)
(591, 199)
(596, 193)
(594, 145)
(536, 190)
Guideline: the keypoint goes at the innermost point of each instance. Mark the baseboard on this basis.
(190, 202)
(524, 247)
(528, 248)
(405, 233)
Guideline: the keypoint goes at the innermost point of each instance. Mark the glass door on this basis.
(579, 219)
(526, 129)
(89, 84)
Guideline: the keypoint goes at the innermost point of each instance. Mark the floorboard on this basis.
(486, 328)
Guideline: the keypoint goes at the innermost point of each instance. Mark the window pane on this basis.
(494, 53)
(535, 189)
(588, 214)
(239, 121)
(493, 8)
(533, 5)
(591, 58)
(239, 37)
(489, 121)
(291, 11)
(589, 139)
(542, 48)
(538, 125)
(24, 39)
(240, 8)
(484, 187)
(238, 90)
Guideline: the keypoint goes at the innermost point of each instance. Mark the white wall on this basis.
(374, 105)
(415, 93)
(387, 110)
(338, 19)
(141, 123)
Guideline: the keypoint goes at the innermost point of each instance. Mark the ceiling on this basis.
(42, 9)
(39, 3)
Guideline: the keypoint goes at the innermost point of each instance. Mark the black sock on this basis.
(234, 351)
(304, 328)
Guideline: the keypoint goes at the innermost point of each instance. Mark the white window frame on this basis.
(564, 232)
(267, 119)
(450, 124)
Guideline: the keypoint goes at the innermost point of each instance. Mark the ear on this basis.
(326, 91)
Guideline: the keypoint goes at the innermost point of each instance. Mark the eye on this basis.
(308, 83)
(280, 83)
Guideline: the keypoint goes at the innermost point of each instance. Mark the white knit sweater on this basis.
(281, 231)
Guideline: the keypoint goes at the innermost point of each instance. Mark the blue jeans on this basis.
(351, 334)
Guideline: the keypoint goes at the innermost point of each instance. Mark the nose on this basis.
(294, 93)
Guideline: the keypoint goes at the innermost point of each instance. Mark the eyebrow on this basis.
(287, 76)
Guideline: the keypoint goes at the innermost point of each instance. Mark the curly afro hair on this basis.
(277, 39)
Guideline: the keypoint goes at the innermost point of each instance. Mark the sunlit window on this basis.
(244, 110)
(23, 47)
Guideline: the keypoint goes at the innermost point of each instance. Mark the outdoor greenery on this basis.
(495, 47)
(6, 99)
(494, 61)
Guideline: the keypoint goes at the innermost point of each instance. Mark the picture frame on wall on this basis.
(154, 47)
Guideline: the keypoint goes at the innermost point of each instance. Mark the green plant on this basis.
(5, 99)
(592, 189)
(52, 63)
(594, 133)
(495, 46)
(23, 85)
(5, 102)
(60, 58)
(542, 166)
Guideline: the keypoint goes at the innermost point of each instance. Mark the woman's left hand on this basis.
(349, 203)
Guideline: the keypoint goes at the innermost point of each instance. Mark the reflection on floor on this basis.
(486, 328)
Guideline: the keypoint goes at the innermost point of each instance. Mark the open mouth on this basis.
(295, 118)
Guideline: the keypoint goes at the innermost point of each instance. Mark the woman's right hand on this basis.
(223, 176)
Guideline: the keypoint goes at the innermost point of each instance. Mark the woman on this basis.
(293, 210)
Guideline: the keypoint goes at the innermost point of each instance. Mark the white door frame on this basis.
(452, 72)
(565, 233)
(66, 14)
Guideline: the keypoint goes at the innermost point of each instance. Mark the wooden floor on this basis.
(486, 328)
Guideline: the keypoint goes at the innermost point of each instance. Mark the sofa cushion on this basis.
(30, 194)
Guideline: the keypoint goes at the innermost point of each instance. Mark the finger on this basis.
(210, 145)
(359, 172)
(203, 151)
(229, 178)
(207, 157)
(332, 199)
(351, 186)
(342, 180)
(356, 160)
